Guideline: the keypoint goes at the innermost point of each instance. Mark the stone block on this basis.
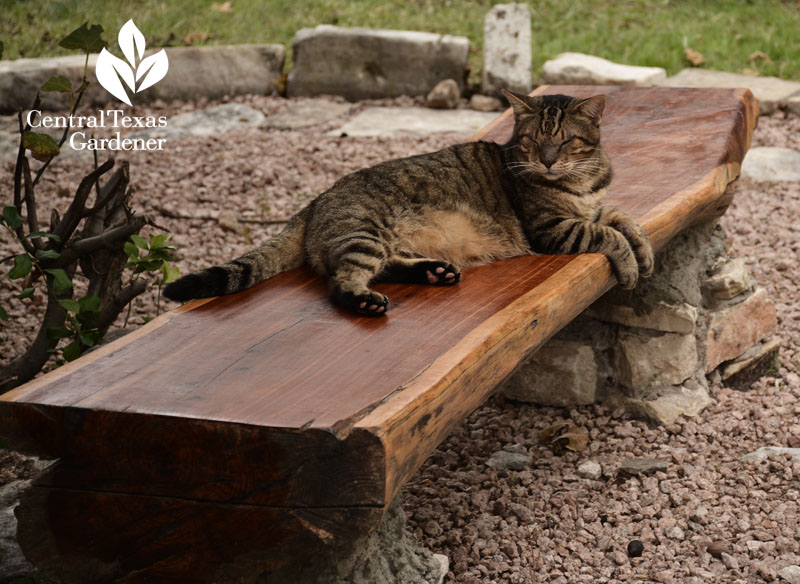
(793, 104)
(752, 364)
(772, 164)
(646, 360)
(728, 281)
(770, 92)
(561, 373)
(307, 113)
(507, 49)
(485, 103)
(673, 403)
(732, 331)
(360, 63)
(664, 317)
(413, 121)
(212, 72)
(580, 69)
(444, 95)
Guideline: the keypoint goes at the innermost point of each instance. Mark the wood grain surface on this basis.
(273, 398)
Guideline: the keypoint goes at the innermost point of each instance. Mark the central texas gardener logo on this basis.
(138, 73)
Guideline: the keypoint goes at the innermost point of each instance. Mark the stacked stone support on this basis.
(701, 318)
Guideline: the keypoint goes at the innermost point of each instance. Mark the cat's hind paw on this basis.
(440, 273)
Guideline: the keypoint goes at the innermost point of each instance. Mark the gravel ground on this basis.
(543, 523)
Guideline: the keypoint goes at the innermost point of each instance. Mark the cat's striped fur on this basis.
(421, 219)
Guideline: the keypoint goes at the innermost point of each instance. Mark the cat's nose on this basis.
(548, 157)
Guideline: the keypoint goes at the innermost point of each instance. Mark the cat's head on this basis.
(557, 137)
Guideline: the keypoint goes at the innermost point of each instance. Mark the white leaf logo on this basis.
(144, 71)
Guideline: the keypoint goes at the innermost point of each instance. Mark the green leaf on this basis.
(171, 273)
(60, 279)
(11, 217)
(159, 241)
(42, 146)
(69, 305)
(160, 254)
(1, 49)
(58, 332)
(72, 351)
(47, 254)
(3, 314)
(140, 241)
(84, 38)
(38, 234)
(22, 266)
(58, 83)
(131, 250)
(26, 293)
(89, 304)
(86, 340)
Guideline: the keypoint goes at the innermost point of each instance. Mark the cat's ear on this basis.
(519, 102)
(591, 108)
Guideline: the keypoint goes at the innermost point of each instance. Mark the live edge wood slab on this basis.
(235, 435)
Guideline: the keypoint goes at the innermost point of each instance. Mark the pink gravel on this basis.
(544, 523)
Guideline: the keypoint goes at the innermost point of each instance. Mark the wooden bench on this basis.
(233, 435)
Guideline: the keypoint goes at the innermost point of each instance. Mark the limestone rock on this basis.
(229, 222)
(765, 452)
(507, 49)
(504, 460)
(793, 104)
(791, 574)
(412, 121)
(733, 330)
(444, 95)
(772, 164)
(307, 113)
(580, 69)
(590, 470)
(361, 63)
(485, 103)
(215, 72)
(664, 317)
(770, 92)
(728, 280)
(13, 564)
(675, 402)
(561, 373)
(642, 466)
(646, 360)
(213, 121)
(761, 355)
(212, 72)
(391, 554)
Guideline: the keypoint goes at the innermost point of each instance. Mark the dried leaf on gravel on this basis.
(564, 436)
(694, 57)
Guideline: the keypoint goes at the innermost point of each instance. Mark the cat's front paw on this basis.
(646, 261)
(368, 303)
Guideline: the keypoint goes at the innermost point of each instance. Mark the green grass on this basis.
(636, 32)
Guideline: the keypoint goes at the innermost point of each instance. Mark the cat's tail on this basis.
(283, 252)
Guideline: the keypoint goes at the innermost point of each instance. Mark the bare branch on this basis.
(29, 363)
(105, 318)
(109, 190)
(86, 246)
(30, 202)
(75, 210)
(41, 170)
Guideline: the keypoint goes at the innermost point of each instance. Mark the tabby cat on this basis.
(422, 219)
